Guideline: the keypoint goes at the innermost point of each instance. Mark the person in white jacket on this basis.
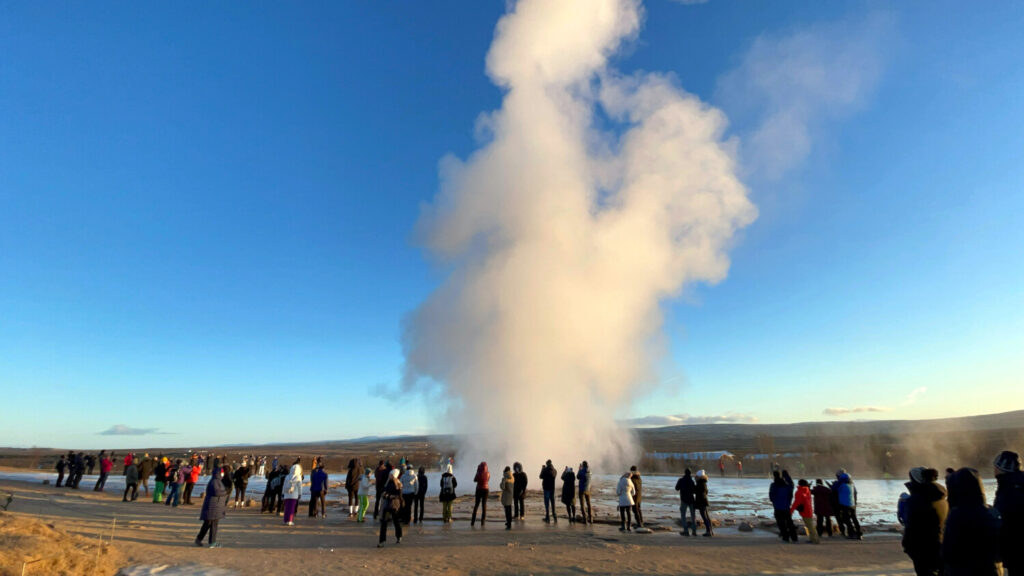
(625, 491)
(366, 483)
(292, 492)
(409, 488)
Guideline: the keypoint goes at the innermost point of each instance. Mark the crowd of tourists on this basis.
(948, 529)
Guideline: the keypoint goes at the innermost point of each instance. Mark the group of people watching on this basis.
(816, 507)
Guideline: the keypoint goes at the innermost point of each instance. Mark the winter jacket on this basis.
(781, 494)
(293, 483)
(318, 480)
(160, 472)
(547, 478)
(353, 476)
(483, 477)
(625, 491)
(448, 485)
(1010, 504)
(131, 474)
(106, 465)
(408, 483)
(822, 500)
(926, 516)
(365, 484)
(521, 481)
(194, 474)
(685, 487)
(216, 500)
(60, 465)
(380, 476)
(700, 493)
(146, 469)
(180, 475)
(802, 502)
(421, 485)
(970, 544)
(584, 477)
(241, 477)
(507, 485)
(568, 487)
(392, 494)
(846, 491)
(638, 484)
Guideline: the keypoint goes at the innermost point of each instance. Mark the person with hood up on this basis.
(482, 479)
(409, 480)
(846, 493)
(292, 492)
(421, 496)
(519, 491)
(781, 495)
(584, 477)
(686, 487)
(159, 475)
(131, 482)
(802, 504)
(625, 490)
(1010, 504)
(352, 480)
(700, 501)
(638, 484)
(318, 492)
(241, 481)
(507, 486)
(392, 497)
(61, 464)
(926, 511)
(447, 495)
(274, 480)
(365, 485)
(215, 505)
(970, 543)
(548, 475)
(569, 493)
(822, 507)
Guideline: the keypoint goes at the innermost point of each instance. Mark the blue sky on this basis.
(206, 214)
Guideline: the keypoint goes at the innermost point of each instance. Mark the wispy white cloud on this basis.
(914, 394)
(122, 430)
(786, 87)
(681, 419)
(856, 410)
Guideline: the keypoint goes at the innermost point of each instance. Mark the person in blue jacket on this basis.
(781, 495)
(584, 478)
(318, 492)
(846, 493)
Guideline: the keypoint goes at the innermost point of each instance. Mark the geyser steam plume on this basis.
(562, 234)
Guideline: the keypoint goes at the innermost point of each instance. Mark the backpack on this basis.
(447, 489)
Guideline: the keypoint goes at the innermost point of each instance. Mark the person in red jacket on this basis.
(802, 504)
(482, 479)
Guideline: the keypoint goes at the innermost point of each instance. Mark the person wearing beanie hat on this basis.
(1009, 502)
(447, 495)
(926, 510)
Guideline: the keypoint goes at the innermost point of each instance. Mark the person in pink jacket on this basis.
(482, 479)
(802, 504)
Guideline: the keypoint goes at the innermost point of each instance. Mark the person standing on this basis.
(106, 465)
(1010, 504)
(781, 495)
(686, 488)
(353, 476)
(193, 477)
(483, 480)
(625, 490)
(176, 478)
(519, 491)
(584, 478)
(548, 474)
(970, 543)
(421, 495)
(318, 492)
(61, 464)
(408, 479)
(215, 504)
(700, 501)
(380, 479)
(846, 493)
(160, 476)
(145, 471)
(447, 495)
(292, 492)
(638, 484)
(803, 506)
(241, 481)
(926, 511)
(569, 493)
(507, 486)
(392, 505)
(822, 507)
(131, 482)
(90, 463)
(365, 485)
(78, 469)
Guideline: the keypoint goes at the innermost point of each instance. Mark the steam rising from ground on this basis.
(595, 198)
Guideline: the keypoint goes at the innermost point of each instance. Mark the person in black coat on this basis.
(823, 507)
(421, 496)
(60, 470)
(1010, 504)
(685, 486)
(569, 493)
(926, 517)
(390, 511)
(214, 507)
(520, 481)
(548, 475)
(970, 544)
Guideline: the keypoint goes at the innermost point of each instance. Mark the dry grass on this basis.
(49, 550)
